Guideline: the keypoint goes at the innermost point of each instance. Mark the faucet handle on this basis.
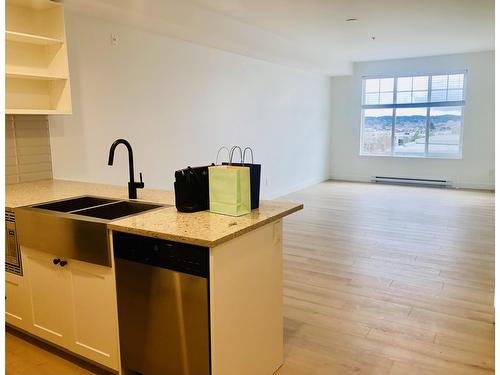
(140, 184)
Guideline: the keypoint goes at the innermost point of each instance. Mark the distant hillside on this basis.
(384, 121)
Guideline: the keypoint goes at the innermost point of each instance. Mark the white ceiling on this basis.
(312, 34)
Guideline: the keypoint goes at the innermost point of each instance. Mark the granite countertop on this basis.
(28, 193)
(200, 228)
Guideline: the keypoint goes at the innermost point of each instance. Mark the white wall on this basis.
(177, 103)
(474, 170)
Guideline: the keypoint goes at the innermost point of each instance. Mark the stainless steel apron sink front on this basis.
(75, 228)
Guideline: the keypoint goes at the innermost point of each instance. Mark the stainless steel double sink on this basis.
(76, 227)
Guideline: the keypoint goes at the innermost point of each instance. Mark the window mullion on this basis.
(427, 128)
(458, 103)
(393, 130)
(429, 90)
(447, 86)
(427, 123)
(394, 100)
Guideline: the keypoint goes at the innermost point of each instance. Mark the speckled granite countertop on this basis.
(27, 193)
(200, 228)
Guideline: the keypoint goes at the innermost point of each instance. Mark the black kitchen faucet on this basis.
(132, 185)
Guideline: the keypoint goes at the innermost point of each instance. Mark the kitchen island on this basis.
(244, 273)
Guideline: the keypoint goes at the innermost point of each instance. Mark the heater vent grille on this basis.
(411, 181)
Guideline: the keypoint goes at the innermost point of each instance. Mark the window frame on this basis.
(428, 105)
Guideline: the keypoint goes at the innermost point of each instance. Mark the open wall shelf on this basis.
(36, 59)
(47, 96)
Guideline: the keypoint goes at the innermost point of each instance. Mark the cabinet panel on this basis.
(50, 296)
(95, 316)
(246, 291)
(17, 304)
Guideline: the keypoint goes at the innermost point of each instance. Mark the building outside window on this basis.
(413, 116)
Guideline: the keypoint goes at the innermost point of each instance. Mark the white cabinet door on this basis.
(50, 297)
(73, 306)
(95, 314)
(17, 302)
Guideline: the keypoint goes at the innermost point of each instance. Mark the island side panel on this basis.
(114, 323)
(246, 303)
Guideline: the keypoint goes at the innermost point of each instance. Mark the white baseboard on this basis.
(475, 186)
(351, 178)
(291, 189)
(458, 185)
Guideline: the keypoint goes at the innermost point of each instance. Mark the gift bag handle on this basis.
(244, 153)
(231, 154)
(218, 152)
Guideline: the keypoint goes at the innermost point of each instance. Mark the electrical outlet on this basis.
(114, 40)
(267, 184)
(491, 172)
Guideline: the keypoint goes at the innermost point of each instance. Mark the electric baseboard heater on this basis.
(411, 181)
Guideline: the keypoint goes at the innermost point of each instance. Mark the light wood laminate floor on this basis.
(378, 279)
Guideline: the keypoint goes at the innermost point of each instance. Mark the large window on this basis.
(413, 116)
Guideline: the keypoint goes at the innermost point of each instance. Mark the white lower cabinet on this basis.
(50, 296)
(17, 304)
(73, 305)
(95, 327)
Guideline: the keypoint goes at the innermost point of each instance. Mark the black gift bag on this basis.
(254, 174)
(191, 189)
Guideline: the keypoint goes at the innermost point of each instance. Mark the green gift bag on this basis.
(229, 188)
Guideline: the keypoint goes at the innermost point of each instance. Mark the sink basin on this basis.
(74, 228)
(117, 210)
(72, 204)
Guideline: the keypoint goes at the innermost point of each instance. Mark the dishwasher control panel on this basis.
(186, 258)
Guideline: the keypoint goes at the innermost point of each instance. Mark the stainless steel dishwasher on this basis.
(163, 306)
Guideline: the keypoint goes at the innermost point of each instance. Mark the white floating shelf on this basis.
(32, 75)
(15, 36)
(22, 111)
